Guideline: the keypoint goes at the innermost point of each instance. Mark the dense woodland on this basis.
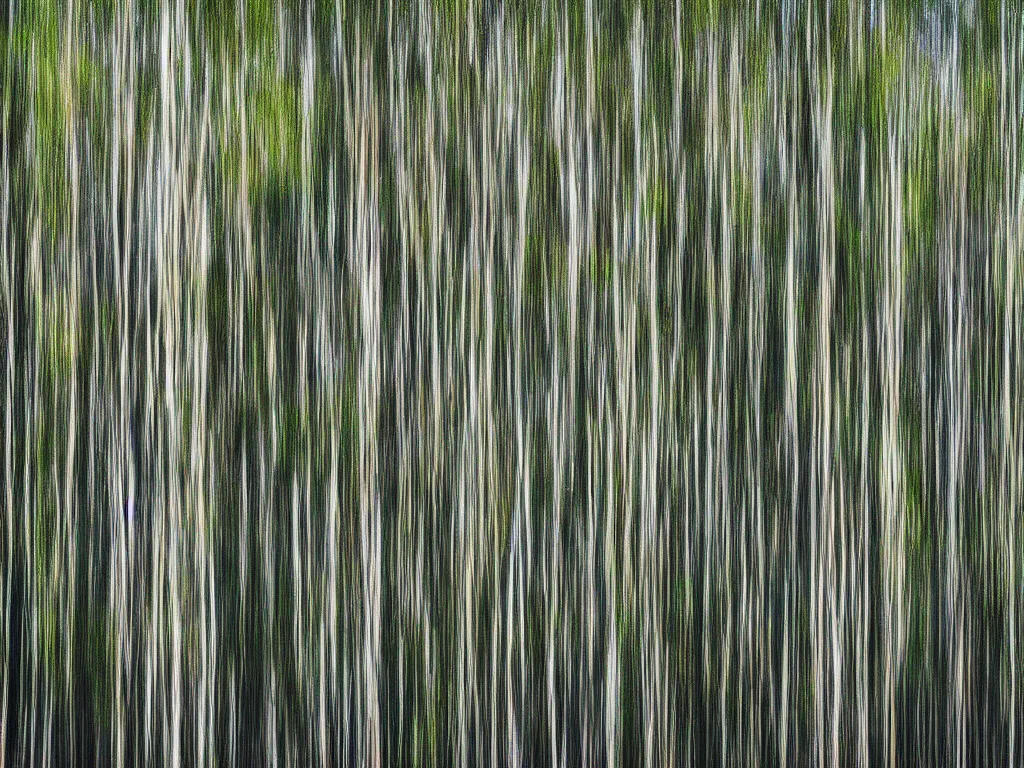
(464, 383)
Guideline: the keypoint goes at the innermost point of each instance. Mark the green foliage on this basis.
(734, 454)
